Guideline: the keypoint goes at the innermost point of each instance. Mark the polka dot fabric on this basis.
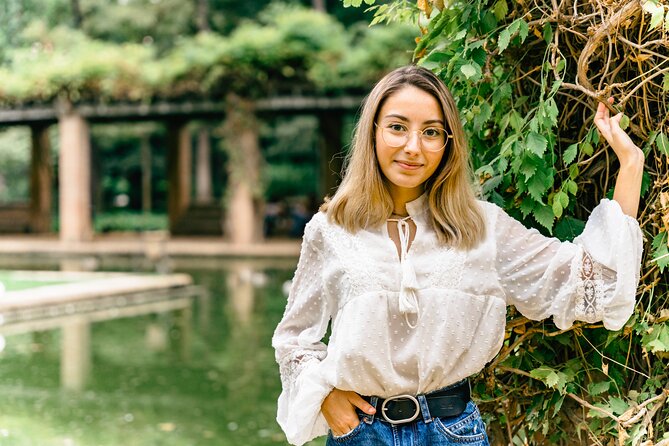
(353, 281)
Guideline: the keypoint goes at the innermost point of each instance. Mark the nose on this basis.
(413, 142)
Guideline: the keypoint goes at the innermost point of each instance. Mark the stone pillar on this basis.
(203, 185)
(41, 174)
(74, 175)
(332, 152)
(245, 201)
(179, 165)
(75, 360)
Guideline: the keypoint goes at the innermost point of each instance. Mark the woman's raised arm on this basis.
(628, 183)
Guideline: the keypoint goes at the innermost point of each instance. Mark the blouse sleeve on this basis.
(299, 349)
(592, 279)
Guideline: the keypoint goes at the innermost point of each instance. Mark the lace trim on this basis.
(589, 291)
(291, 366)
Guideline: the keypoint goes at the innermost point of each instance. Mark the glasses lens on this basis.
(395, 136)
(433, 139)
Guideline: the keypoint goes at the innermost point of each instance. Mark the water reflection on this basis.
(144, 386)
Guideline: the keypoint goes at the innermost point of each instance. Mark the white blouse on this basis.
(418, 322)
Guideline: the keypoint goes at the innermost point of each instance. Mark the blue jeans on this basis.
(465, 429)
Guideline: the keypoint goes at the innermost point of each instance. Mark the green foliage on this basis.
(14, 165)
(513, 69)
(128, 221)
(286, 46)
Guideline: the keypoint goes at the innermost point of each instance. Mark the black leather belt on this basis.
(448, 402)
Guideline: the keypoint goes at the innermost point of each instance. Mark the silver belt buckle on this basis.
(399, 397)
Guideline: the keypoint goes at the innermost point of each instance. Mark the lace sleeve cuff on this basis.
(304, 389)
(589, 291)
(609, 272)
(291, 367)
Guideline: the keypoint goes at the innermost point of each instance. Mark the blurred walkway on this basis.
(152, 245)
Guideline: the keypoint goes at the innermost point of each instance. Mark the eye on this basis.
(433, 132)
(397, 128)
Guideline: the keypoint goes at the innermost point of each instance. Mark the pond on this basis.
(142, 390)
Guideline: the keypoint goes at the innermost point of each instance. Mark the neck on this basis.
(400, 199)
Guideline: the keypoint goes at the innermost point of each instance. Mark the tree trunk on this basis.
(202, 15)
(76, 14)
(319, 5)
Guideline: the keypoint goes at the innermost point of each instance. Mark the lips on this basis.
(408, 165)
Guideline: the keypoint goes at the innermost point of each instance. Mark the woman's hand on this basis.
(625, 149)
(339, 411)
(628, 183)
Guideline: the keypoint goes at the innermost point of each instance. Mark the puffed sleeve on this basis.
(592, 279)
(298, 345)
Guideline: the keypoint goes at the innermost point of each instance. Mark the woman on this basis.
(415, 276)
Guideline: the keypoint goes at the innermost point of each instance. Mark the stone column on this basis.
(203, 185)
(245, 200)
(332, 152)
(74, 175)
(179, 165)
(41, 174)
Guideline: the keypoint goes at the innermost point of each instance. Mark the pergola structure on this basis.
(74, 176)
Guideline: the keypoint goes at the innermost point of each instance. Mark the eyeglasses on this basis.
(432, 139)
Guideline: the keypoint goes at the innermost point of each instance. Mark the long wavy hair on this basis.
(363, 199)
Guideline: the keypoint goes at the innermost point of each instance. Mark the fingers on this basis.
(361, 404)
(339, 411)
(616, 119)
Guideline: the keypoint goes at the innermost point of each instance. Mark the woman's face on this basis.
(408, 166)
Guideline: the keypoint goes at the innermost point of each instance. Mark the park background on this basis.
(272, 90)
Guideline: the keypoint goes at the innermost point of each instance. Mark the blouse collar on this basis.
(418, 206)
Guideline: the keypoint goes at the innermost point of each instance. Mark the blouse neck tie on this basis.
(408, 301)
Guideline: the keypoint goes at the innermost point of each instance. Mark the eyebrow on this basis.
(404, 118)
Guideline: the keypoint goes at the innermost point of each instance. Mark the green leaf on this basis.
(516, 121)
(657, 18)
(500, 9)
(665, 81)
(523, 31)
(624, 122)
(573, 171)
(545, 216)
(470, 70)
(595, 389)
(540, 182)
(569, 154)
(485, 111)
(529, 166)
(506, 149)
(662, 143)
(548, 33)
(661, 251)
(572, 187)
(551, 377)
(563, 197)
(503, 40)
(557, 208)
(536, 143)
(618, 406)
(586, 148)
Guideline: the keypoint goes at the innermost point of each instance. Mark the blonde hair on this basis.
(363, 199)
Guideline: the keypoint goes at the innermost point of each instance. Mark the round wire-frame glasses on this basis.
(432, 139)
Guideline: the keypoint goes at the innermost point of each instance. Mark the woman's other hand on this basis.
(339, 411)
(625, 149)
(628, 183)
